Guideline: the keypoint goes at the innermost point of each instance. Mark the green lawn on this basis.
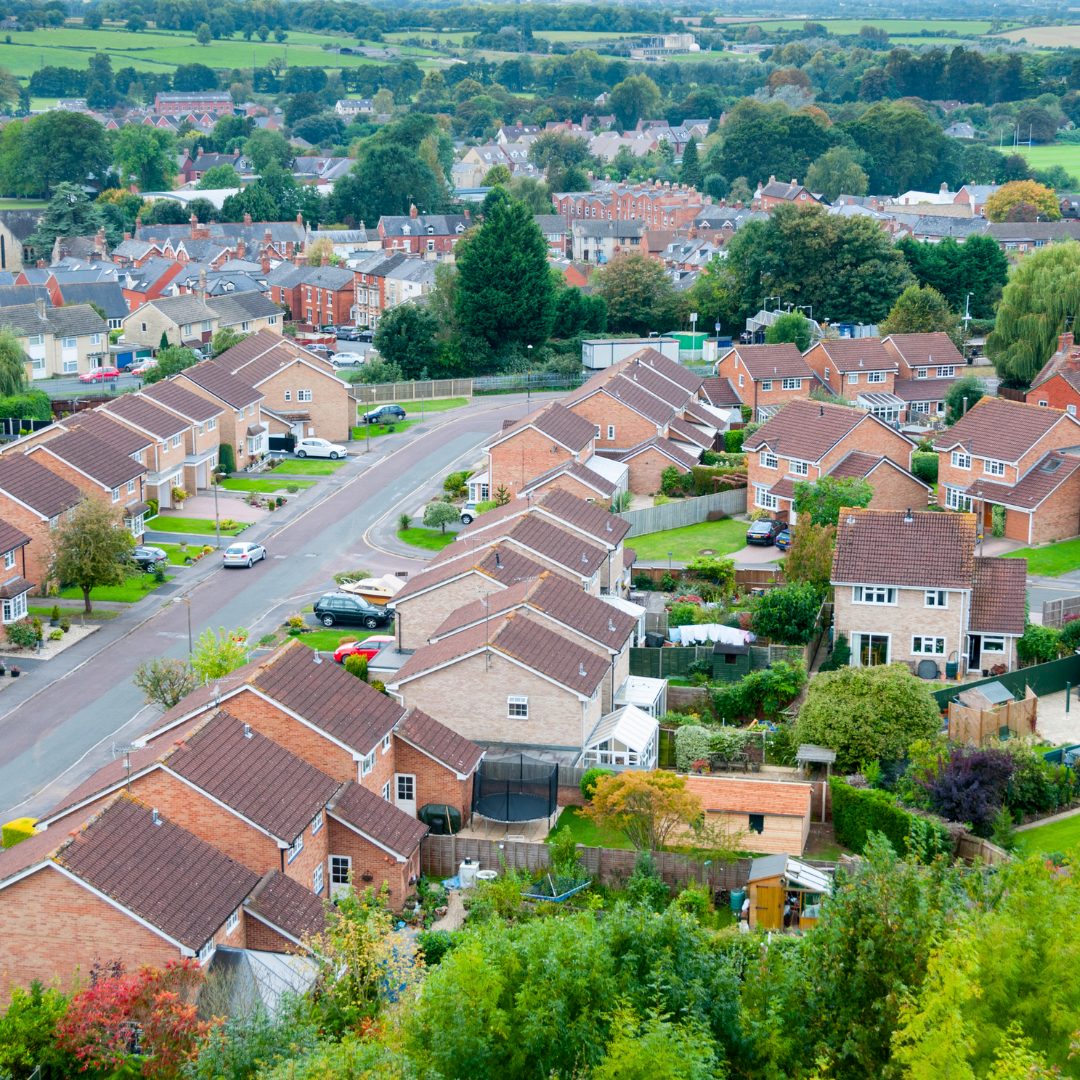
(894, 26)
(176, 556)
(191, 526)
(1057, 836)
(428, 539)
(135, 588)
(1052, 560)
(329, 640)
(440, 405)
(362, 432)
(308, 467)
(1065, 154)
(687, 543)
(585, 832)
(264, 487)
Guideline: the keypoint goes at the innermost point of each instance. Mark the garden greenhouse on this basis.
(624, 739)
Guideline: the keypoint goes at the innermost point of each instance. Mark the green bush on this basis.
(434, 944)
(226, 458)
(692, 743)
(1070, 634)
(1039, 645)
(788, 615)
(733, 440)
(924, 466)
(768, 690)
(292, 489)
(56, 635)
(590, 778)
(840, 655)
(355, 664)
(682, 615)
(646, 887)
(643, 582)
(997, 517)
(563, 852)
(484, 507)
(23, 633)
(857, 812)
(153, 504)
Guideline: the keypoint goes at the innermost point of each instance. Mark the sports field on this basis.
(1041, 157)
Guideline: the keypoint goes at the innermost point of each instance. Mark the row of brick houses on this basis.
(240, 813)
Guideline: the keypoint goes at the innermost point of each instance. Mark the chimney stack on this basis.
(201, 294)
(1065, 340)
(247, 218)
(325, 260)
(412, 210)
(39, 303)
(241, 247)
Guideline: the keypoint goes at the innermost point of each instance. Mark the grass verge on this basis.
(428, 539)
(74, 614)
(1052, 560)
(308, 467)
(135, 588)
(685, 544)
(191, 526)
(265, 487)
(329, 640)
(360, 432)
(434, 406)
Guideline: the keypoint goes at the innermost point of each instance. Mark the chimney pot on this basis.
(412, 210)
(1065, 340)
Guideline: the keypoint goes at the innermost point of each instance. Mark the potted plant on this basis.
(54, 618)
(65, 625)
(15, 672)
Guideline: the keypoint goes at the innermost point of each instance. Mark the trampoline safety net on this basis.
(516, 788)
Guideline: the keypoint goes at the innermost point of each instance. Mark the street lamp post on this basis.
(185, 600)
(528, 382)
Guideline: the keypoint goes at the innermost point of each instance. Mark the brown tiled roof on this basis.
(144, 414)
(379, 819)
(721, 391)
(1002, 429)
(750, 796)
(326, 695)
(104, 427)
(629, 556)
(666, 447)
(11, 538)
(253, 775)
(922, 389)
(31, 483)
(257, 370)
(1032, 488)
(92, 457)
(558, 423)
(998, 596)
(854, 354)
(922, 350)
(669, 369)
(224, 386)
(15, 586)
(680, 429)
(857, 464)
(446, 746)
(106, 777)
(600, 484)
(262, 341)
(878, 547)
(287, 905)
(183, 402)
(640, 400)
(524, 639)
(783, 361)
(806, 429)
(783, 488)
(162, 873)
(649, 379)
(698, 414)
(496, 561)
(562, 506)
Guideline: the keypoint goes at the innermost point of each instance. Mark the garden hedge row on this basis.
(857, 812)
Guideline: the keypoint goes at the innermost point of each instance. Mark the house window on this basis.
(945, 372)
(875, 376)
(71, 367)
(317, 880)
(205, 325)
(993, 468)
(296, 847)
(610, 432)
(272, 321)
(993, 644)
(920, 373)
(756, 823)
(766, 384)
(791, 384)
(288, 395)
(386, 791)
(303, 395)
(768, 459)
(95, 339)
(232, 922)
(317, 824)
(406, 787)
(938, 598)
(740, 380)
(71, 343)
(185, 330)
(137, 457)
(873, 594)
(765, 499)
(1071, 410)
(517, 707)
(131, 487)
(211, 424)
(244, 326)
(143, 330)
(853, 377)
(386, 742)
(116, 494)
(961, 460)
(175, 441)
(955, 499)
(927, 644)
(431, 245)
(206, 952)
(340, 872)
(798, 468)
(1044, 404)
(9, 559)
(367, 764)
(15, 608)
(826, 374)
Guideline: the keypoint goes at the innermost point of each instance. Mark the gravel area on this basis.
(49, 649)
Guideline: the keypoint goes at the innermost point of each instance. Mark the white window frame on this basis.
(211, 424)
(955, 499)
(386, 742)
(826, 374)
(206, 952)
(233, 921)
(791, 384)
(920, 373)
(946, 372)
(517, 707)
(766, 384)
(765, 499)
(367, 764)
(14, 609)
(176, 441)
(205, 325)
(131, 487)
(288, 395)
(993, 644)
(798, 468)
(295, 848)
(406, 787)
(936, 598)
(317, 881)
(303, 395)
(768, 460)
(317, 823)
(386, 791)
(853, 377)
(740, 379)
(339, 863)
(115, 494)
(875, 376)
(39, 339)
(876, 595)
(961, 460)
(928, 645)
(71, 367)
(993, 468)
(9, 559)
(611, 432)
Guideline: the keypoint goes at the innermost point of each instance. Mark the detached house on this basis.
(861, 370)
(909, 589)
(1017, 456)
(764, 377)
(929, 365)
(241, 422)
(807, 440)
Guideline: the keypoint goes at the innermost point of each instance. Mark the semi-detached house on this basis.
(58, 340)
(202, 437)
(241, 424)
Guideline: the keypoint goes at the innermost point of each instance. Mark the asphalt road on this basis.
(55, 738)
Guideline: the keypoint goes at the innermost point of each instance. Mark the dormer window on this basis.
(460, 229)
(431, 230)
(406, 230)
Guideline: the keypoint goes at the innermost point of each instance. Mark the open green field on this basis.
(1042, 157)
(687, 543)
(1057, 836)
(1050, 561)
(899, 27)
(22, 204)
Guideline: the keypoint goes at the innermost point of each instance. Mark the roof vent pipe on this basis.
(318, 658)
(247, 731)
(907, 516)
(581, 670)
(155, 818)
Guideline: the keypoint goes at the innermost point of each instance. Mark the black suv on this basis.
(384, 414)
(347, 610)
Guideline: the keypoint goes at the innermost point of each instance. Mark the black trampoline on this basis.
(515, 789)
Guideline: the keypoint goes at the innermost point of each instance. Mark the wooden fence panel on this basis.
(682, 512)
(1055, 612)
(411, 391)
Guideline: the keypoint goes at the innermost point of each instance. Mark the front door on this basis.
(405, 792)
(988, 516)
(974, 651)
(873, 649)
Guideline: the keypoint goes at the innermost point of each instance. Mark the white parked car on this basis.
(243, 554)
(347, 359)
(319, 448)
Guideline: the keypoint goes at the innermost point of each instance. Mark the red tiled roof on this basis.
(143, 413)
(231, 389)
(998, 596)
(379, 819)
(806, 429)
(855, 354)
(856, 464)
(879, 547)
(108, 430)
(1043, 478)
(922, 389)
(666, 447)
(91, 456)
(600, 484)
(719, 794)
(556, 422)
(564, 508)
(722, 391)
(286, 905)
(1002, 429)
(183, 402)
(11, 538)
(446, 746)
(106, 777)
(773, 361)
(783, 488)
(680, 429)
(923, 350)
(31, 483)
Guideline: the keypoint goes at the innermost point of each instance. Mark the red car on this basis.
(100, 373)
(369, 647)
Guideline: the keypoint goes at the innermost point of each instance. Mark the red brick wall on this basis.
(1056, 392)
(894, 490)
(259, 936)
(575, 487)
(727, 368)
(871, 438)
(522, 457)
(1059, 516)
(55, 928)
(383, 771)
(18, 515)
(1061, 435)
(759, 396)
(302, 868)
(645, 470)
(331, 409)
(435, 783)
(368, 858)
(631, 428)
(72, 476)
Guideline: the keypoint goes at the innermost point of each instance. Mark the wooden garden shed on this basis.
(786, 893)
(774, 815)
(730, 662)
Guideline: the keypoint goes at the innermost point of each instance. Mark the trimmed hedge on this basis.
(925, 466)
(692, 743)
(15, 832)
(858, 812)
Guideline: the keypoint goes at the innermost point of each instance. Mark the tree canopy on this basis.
(638, 292)
(1005, 201)
(921, 310)
(90, 548)
(821, 500)
(792, 326)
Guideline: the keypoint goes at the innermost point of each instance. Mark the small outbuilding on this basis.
(627, 738)
(775, 816)
(786, 893)
(649, 695)
(730, 662)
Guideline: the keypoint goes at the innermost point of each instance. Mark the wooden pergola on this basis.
(809, 754)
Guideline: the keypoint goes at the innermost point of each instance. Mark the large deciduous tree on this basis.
(769, 141)
(838, 171)
(390, 180)
(633, 99)
(1023, 193)
(792, 326)
(977, 266)
(639, 294)
(146, 156)
(903, 146)
(820, 500)
(63, 146)
(406, 336)
(922, 310)
(165, 682)
(505, 294)
(90, 548)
